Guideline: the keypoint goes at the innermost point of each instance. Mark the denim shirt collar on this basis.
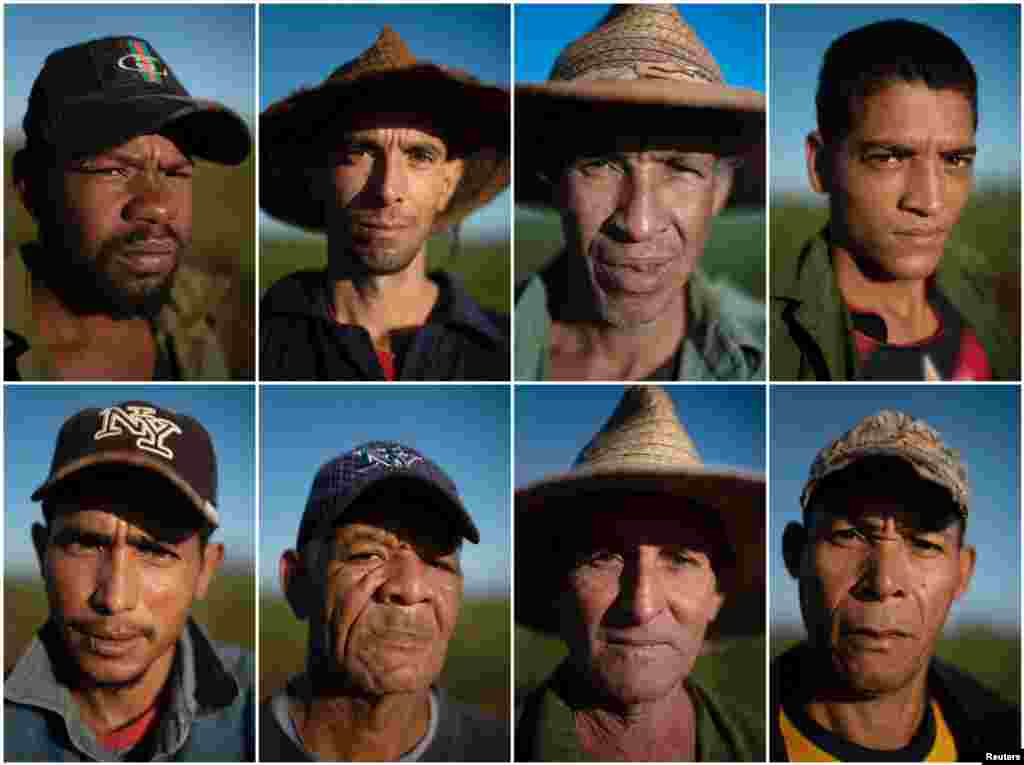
(198, 681)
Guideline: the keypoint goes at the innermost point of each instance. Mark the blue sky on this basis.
(735, 35)
(211, 48)
(302, 44)
(981, 421)
(554, 422)
(464, 429)
(988, 34)
(35, 413)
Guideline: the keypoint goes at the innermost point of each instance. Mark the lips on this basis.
(871, 638)
(631, 275)
(110, 643)
(153, 256)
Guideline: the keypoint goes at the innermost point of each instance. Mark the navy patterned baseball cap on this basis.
(345, 479)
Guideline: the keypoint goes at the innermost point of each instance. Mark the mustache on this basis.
(107, 630)
(146, 235)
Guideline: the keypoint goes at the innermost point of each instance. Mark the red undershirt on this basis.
(131, 734)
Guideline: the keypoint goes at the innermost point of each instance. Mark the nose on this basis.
(389, 179)
(152, 200)
(117, 584)
(925, 187)
(406, 583)
(885, 572)
(641, 592)
(639, 213)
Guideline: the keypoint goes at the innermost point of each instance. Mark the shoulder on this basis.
(30, 734)
(293, 293)
(467, 734)
(532, 328)
(738, 728)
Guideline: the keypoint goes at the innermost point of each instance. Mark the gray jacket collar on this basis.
(198, 682)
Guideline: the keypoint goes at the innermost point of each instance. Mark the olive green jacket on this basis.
(184, 330)
(810, 331)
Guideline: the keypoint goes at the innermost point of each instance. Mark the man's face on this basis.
(876, 584)
(388, 180)
(392, 589)
(124, 218)
(639, 220)
(639, 600)
(900, 178)
(120, 585)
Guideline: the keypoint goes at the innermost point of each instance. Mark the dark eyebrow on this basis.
(71, 534)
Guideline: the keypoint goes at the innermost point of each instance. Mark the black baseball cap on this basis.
(141, 435)
(96, 95)
(346, 478)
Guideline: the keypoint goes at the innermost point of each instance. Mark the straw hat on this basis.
(297, 132)
(643, 448)
(642, 69)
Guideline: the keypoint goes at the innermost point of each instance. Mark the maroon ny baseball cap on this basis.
(96, 95)
(143, 435)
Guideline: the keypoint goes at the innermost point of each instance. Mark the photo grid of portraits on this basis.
(518, 381)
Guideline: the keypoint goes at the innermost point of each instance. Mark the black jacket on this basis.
(979, 720)
(300, 341)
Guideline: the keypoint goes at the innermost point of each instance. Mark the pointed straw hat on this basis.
(298, 132)
(644, 69)
(643, 448)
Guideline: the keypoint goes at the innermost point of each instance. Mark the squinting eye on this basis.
(960, 161)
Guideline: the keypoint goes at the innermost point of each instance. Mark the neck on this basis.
(593, 349)
(660, 730)
(902, 304)
(92, 346)
(382, 304)
(884, 722)
(350, 728)
(106, 709)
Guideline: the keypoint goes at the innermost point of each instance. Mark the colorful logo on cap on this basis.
(391, 456)
(142, 60)
(150, 430)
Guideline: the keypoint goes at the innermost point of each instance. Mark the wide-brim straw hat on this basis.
(643, 448)
(298, 132)
(642, 72)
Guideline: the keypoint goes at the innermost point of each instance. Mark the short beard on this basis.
(85, 288)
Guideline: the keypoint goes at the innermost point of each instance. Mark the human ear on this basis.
(794, 542)
(453, 170)
(818, 168)
(725, 172)
(968, 560)
(295, 583)
(40, 539)
(213, 556)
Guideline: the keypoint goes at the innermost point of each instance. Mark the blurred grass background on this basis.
(476, 672)
(990, 224)
(989, 655)
(223, 249)
(734, 668)
(734, 251)
(483, 267)
(228, 613)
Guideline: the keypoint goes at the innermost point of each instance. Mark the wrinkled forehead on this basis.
(913, 508)
(628, 520)
(401, 510)
(369, 123)
(601, 142)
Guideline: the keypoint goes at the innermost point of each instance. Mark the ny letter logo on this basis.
(141, 421)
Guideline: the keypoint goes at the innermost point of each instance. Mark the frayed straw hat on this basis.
(298, 132)
(643, 448)
(642, 70)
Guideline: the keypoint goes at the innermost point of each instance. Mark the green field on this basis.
(483, 268)
(228, 613)
(735, 250)
(477, 669)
